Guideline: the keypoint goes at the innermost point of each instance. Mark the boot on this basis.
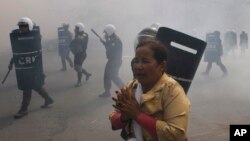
(105, 94)
(20, 114)
(87, 76)
(78, 84)
(47, 103)
(79, 79)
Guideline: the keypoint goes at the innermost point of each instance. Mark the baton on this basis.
(97, 35)
(7, 74)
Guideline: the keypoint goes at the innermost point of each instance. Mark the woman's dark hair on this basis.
(159, 50)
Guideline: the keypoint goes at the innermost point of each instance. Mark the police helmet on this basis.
(26, 21)
(109, 29)
(145, 34)
(217, 33)
(80, 26)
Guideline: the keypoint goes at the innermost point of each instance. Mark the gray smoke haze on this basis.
(78, 113)
(190, 16)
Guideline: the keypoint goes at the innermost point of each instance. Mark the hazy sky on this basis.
(129, 16)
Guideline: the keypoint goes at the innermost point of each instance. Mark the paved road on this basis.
(78, 114)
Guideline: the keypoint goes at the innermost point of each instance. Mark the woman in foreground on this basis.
(153, 106)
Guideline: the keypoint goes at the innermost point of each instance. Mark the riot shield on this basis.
(27, 56)
(213, 49)
(64, 39)
(184, 55)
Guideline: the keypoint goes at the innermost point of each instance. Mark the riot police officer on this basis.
(78, 47)
(64, 39)
(27, 58)
(113, 47)
(243, 41)
(214, 52)
(230, 41)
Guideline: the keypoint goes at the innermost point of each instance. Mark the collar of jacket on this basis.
(158, 87)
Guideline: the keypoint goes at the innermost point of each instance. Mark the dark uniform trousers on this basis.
(111, 74)
(78, 61)
(27, 97)
(64, 58)
(219, 63)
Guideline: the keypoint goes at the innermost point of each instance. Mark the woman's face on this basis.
(146, 69)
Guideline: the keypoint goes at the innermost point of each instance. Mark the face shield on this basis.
(146, 34)
(23, 27)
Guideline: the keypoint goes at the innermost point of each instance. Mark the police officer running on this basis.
(214, 52)
(64, 39)
(113, 47)
(78, 47)
(27, 58)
